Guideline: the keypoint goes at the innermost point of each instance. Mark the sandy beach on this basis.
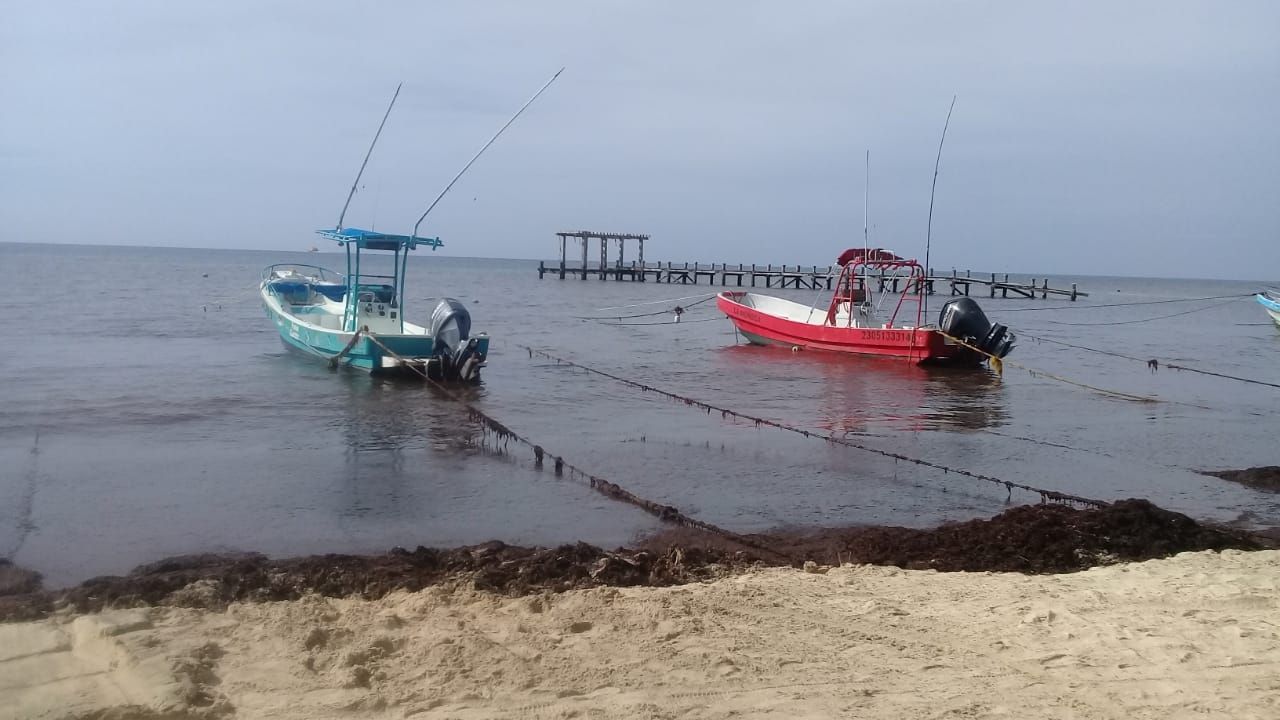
(1192, 635)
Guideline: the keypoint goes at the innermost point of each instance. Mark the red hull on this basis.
(916, 345)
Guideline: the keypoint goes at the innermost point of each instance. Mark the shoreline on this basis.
(1043, 538)
(1042, 610)
(1191, 634)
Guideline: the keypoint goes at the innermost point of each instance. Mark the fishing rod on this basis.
(928, 237)
(481, 151)
(366, 156)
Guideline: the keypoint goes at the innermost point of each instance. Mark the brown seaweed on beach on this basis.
(1030, 538)
(1265, 477)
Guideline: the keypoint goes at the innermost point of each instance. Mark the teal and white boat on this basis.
(1270, 301)
(357, 318)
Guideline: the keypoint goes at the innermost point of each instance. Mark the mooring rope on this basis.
(1045, 494)
(664, 322)
(665, 513)
(655, 302)
(1148, 361)
(27, 501)
(1129, 304)
(998, 364)
(1152, 319)
(640, 315)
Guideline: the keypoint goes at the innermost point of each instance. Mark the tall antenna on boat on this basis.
(928, 236)
(366, 156)
(866, 235)
(866, 195)
(486, 147)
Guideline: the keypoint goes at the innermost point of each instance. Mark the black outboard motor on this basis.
(963, 318)
(455, 349)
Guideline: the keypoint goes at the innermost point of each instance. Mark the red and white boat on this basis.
(880, 323)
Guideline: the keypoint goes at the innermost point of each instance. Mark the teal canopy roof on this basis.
(370, 240)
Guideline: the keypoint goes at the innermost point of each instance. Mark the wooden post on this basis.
(1004, 291)
(1045, 290)
(563, 240)
(992, 286)
(604, 258)
(1073, 292)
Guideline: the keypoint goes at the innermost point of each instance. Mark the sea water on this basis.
(148, 408)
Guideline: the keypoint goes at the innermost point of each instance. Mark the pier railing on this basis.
(800, 277)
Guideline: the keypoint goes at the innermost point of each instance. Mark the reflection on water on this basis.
(393, 413)
(400, 434)
(968, 398)
(853, 394)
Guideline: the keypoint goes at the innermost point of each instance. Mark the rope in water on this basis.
(655, 302)
(1045, 494)
(998, 364)
(1129, 304)
(1148, 361)
(664, 322)
(1151, 319)
(665, 513)
(640, 315)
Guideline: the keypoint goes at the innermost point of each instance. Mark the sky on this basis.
(1096, 138)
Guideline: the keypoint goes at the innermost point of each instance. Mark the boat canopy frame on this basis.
(865, 260)
(356, 240)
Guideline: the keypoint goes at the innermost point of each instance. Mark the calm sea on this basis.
(148, 408)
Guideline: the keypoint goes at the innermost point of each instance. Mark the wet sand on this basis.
(1043, 611)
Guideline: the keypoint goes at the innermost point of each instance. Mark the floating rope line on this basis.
(1153, 363)
(1158, 317)
(1131, 304)
(665, 322)
(655, 302)
(1045, 494)
(998, 364)
(1048, 443)
(640, 315)
(665, 513)
(27, 501)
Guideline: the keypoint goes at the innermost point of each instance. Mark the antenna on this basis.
(486, 147)
(866, 195)
(929, 229)
(866, 237)
(366, 156)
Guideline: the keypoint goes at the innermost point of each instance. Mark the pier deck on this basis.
(800, 277)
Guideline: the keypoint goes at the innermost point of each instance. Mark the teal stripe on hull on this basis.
(365, 355)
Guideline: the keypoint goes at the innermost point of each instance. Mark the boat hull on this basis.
(920, 345)
(388, 354)
(1271, 305)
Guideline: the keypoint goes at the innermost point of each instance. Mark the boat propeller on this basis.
(962, 318)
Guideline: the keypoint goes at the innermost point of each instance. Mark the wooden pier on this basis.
(798, 277)
(804, 277)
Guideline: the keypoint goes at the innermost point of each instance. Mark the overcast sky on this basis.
(1135, 138)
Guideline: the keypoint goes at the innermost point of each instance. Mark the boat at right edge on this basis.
(860, 321)
(1270, 301)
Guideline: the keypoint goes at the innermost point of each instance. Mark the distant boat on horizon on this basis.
(314, 249)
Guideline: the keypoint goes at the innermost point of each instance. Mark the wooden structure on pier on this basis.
(603, 268)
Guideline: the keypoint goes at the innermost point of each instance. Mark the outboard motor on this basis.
(963, 318)
(456, 350)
